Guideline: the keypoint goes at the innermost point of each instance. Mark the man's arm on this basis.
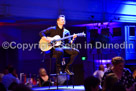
(44, 33)
(74, 37)
(71, 41)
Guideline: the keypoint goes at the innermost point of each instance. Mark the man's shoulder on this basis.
(100, 71)
(127, 70)
(7, 76)
(51, 27)
(66, 30)
(95, 72)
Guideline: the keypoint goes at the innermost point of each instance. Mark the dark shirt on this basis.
(126, 79)
(55, 30)
(43, 83)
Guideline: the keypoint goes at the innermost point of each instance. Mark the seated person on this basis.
(59, 50)
(10, 78)
(43, 79)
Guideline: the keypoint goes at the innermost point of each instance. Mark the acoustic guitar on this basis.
(55, 41)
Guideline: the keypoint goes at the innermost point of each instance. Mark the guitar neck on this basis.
(64, 38)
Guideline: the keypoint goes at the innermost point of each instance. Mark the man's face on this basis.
(43, 72)
(61, 21)
(119, 67)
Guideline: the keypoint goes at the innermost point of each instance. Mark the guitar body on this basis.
(45, 46)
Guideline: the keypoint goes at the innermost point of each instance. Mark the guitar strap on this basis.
(63, 37)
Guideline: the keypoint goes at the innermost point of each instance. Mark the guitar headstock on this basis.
(81, 34)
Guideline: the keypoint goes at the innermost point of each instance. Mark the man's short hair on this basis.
(117, 60)
(109, 81)
(41, 70)
(91, 82)
(11, 69)
(108, 65)
(101, 67)
(60, 16)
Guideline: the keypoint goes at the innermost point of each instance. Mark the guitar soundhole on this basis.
(53, 43)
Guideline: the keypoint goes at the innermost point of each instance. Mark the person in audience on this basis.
(123, 74)
(109, 81)
(43, 80)
(134, 75)
(108, 66)
(91, 84)
(99, 73)
(4, 72)
(9, 78)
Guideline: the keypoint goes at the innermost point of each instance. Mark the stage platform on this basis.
(60, 88)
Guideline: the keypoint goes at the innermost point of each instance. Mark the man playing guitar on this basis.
(62, 32)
